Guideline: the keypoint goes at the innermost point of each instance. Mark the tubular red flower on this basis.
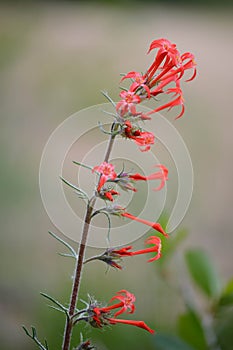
(156, 241)
(140, 324)
(155, 225)
(125, 251)
(176, 102)
(159, 175)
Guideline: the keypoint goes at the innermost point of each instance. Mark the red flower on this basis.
(139, 82)
(125, 251)
(178, 101)
(166, 49)
(127, 300)
(156, 241)
(122, 251)
(145, 140)
(168, 67)
(127, 104)
(159, 175)
(156, 226)
(139, 324)
(106, 171)
(101, 315)
(142, 138)
(109, 194)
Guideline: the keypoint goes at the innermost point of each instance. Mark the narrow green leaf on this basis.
(83, 165)
(33, 336)
(79, 191)
(108, 98)
(66, 255)
(226, 298)
(203, 273)
(26, 331)
(190, 329)
(62, 307)
(67, 245)
(170, 342)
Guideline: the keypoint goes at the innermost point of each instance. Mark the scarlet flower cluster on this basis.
(101, 316)
(162, 77)
(168, 67)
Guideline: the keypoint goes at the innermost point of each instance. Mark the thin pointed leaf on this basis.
(34, 332)
(108, 98)
(46, 344)
(75, 188)
(71, 249)
(81, 195)
(67, 255)
(33, 336)
(26, 331)
(55, 308)
(83, 165)
(123, 88)
(62, 307)
(110, 113)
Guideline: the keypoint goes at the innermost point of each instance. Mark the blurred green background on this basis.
(54, 59)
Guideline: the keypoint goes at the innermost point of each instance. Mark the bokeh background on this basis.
(54, 60)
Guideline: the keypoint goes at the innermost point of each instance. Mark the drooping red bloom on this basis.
(140, 324)
(125, 251)
(156, 241)
(157, 246)
(178, 101)
(145, 140)
(155, 225)
(142, 138)
(102, 315)
(106, 171)
(159, 175)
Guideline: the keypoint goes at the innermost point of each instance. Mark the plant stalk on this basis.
(80, 260)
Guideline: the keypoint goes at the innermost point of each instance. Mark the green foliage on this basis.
(170, 342)
(226, 298)
(190, 329)
(202, 272)
(223, 329)
(34, 337)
